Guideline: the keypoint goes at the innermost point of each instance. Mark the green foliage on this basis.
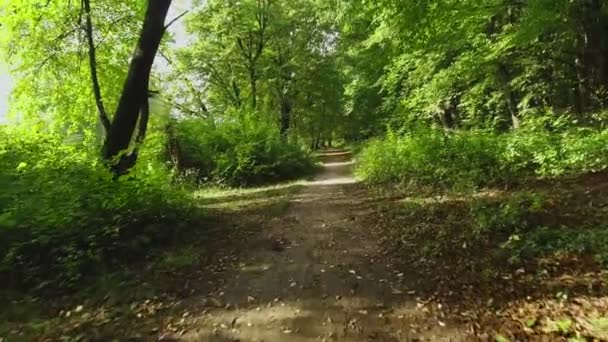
(469, 159)
(502, 228)
(63, 217)
(44, 43)
(592, 241)
(480, 64)
(240, 153)
(277, 59)
(431, 157)
(516, 215)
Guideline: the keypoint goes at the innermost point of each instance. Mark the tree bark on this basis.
(447, 113)
(504, 79)
(590, 61)
(134, 93)
(254, 88)
(101, 111)
(285, 116)
(142, 126)
(580, 93)
(317, 141)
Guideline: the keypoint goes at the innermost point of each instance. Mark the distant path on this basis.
(318, 275)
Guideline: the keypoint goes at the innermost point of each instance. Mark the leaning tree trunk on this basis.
(134, 92)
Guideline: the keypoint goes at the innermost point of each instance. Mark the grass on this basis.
(258, 197)
(181, 258)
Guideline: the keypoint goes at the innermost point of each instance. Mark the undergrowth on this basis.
(244, 153)
(472, 159)
(497, 230)
(63, 218)
(493, 200)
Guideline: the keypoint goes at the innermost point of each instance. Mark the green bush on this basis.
(430, 157)
(516, 215)
(241, 153)
(63, 217)
(547, 240)
(478, 158)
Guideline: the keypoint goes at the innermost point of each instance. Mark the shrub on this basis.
(478, 158)
(63, 217)
(241, 153)
(516, 215)
(430, 157)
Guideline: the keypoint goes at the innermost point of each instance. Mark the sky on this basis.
(178, 30)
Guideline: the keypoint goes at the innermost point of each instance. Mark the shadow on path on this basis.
(320, 277)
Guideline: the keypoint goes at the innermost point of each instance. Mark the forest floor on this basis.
(328, 259)
(317, 273)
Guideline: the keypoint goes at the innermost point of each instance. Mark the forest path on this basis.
(317, 274)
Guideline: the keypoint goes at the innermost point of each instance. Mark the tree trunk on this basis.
(285, 116)
(134, 93)
(254, 88)
(590, 62)
(580, 93)
(448, 113)
(317, 142)
(174, 150)
(505, 80)
(237, 94)
(103, 116)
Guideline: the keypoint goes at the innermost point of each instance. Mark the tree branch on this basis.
(196, 94)
(103, 116)
(172, 21)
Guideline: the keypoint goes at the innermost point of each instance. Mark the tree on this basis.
(47, 44)
(263, 51)
(133, 103)
(230, 40)
(475, 64)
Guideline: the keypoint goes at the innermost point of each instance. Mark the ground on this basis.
(316, 273)
(328, 259)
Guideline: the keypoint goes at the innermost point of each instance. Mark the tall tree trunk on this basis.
(504, 78)
(103, 116)
(174, 150)
(237, 94)
(590, 61)
(597, 40)
(317, 141)
(604, 45)
(135, 88)
(254, 88)
(285, 116)
(580, 93)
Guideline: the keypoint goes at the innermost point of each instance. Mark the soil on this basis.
(316, 273)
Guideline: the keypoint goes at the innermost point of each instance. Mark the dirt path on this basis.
(316, 274)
